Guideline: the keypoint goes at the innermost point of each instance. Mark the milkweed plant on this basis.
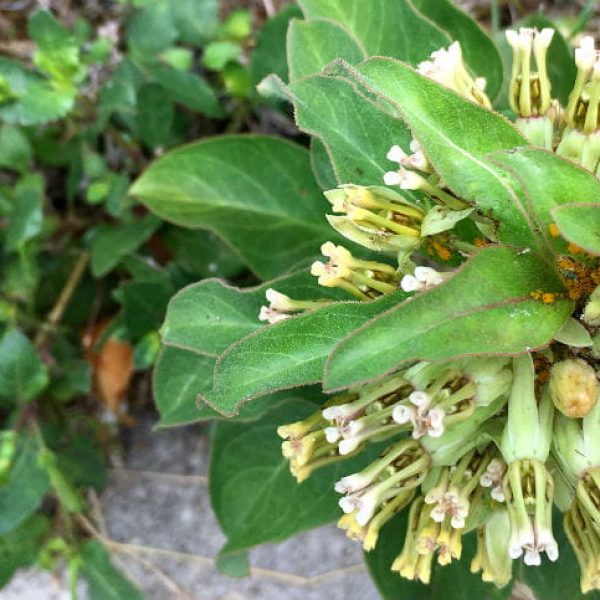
(433, 376)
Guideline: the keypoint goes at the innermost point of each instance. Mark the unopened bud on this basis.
(574, 387)
(591, 313)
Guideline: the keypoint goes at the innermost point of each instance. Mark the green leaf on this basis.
(154, 116)
(479, 52)
(356, 132)
(209, 316)
(457, 147)
(144, 304)
(104, 581)
(254, 497)
(189, 89)
(218, 54)
(196, 22)
(113, 242)
(580, 224)
(452, 582)
(20, 547)
(485, 308)
(15, 149)
(151, 30)
(288, 354)
(269, 54)
(27, 484)
(256, 192)
(201, 253)
(23, 375)
(180, 375)
(550, 182)
(321, 165)
(36, 101)
(383, 27)
(561, 65)
(314, 44)
(25, 218)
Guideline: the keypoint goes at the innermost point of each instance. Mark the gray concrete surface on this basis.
(156, 512)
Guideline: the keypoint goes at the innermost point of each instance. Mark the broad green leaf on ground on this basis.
(357, 133)
(154, 116)
(257, 192)
(457, 146)
(314, 44)
(549, 181)
(561, 64)
(35, 101)
(22, 493)
(15, 148)
(321, 165)
(580, 224)
(105, 581)
(23, 375)
(558, 580)
(383, 27)
(144, 304)
(452, 582)
(209, 316)
(152, 29)
(286, 355)
(25, 218)
(269, 54)
(19, 547)
(201, 253)
(180, 375)
(112, 243)
(254, 497)
(485, 308)
(189, 89)
(195, 21)
(479, 52)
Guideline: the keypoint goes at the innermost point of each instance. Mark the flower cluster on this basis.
(480, 444)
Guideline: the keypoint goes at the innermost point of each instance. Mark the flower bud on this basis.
(591, 312)
(574, 387)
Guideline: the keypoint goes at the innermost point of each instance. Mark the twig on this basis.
(55, 315)
(185, 479)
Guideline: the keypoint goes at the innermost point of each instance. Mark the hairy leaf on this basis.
(580, 224)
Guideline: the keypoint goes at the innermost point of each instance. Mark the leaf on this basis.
(151, 30)
(312, 45)
(549, 183)
(104, 581)
(269, 54)
(189, 89)
(457, 147)
(485, 308)
(561, 65)
(144, 304)
(356, 132)
(15, 149)
(154, 116)
(25, 218)
(253, 495)
(113, 242)
(35, 101)
(479, 52)
(178, 377)
(27, 484)
(383, 27)
(321, 165)
(201, 253)
(20, 547)
(23, 375)
(257, 192)
(209, 316)
(580, 224)
(288, 354)
(451, 582)
(196, 22)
